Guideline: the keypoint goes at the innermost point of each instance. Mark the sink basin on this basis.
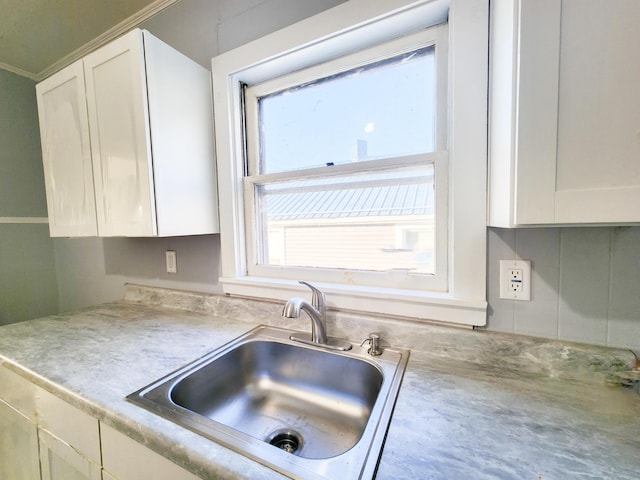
(303, 410)
(264, 388)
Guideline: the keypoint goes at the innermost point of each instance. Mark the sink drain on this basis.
(288, 440)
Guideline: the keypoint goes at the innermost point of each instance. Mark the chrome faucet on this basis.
(317, 311)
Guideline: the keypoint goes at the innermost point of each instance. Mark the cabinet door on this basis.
(565, 113)
(598, 159)
(60, 461)
(66, 153)
(18, 446)
(120, 141)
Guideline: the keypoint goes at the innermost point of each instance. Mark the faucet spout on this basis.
(317, 311)
(318, 328)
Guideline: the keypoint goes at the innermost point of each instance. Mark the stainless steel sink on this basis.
(303, 410)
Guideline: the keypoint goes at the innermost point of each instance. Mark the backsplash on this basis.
(585, 284)
(557, 359)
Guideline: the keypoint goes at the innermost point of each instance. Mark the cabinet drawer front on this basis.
(18, 392)
(126, 459)
(75, 427)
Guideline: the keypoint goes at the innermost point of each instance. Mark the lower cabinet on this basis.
(44, 437)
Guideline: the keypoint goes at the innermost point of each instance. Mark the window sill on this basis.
(413, 304)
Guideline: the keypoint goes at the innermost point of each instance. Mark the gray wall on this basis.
(586, 281)
(27, 273)
(585, 284)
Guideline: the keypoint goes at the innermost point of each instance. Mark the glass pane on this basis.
(370, 221)
(382, 110)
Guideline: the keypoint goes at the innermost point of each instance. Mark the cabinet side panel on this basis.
(180, 109)
(537, 117)
(503, 43)
(66, 153)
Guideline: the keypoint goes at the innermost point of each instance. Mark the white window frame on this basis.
(349, 27)
(437, 36)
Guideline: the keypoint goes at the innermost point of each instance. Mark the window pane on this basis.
(382, 110)
(369, 221)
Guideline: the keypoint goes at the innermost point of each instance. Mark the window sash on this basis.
(433, 36)
(398, 278)
(255, 234)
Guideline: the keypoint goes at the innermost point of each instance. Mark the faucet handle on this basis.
(317, 297)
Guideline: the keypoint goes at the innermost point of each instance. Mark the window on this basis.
(344, 155)
(351, 152)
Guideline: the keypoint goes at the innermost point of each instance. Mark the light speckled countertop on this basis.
(473, 405)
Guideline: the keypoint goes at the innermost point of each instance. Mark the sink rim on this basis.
(360, 461)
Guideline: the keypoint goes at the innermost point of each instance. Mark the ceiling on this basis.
(39, 37)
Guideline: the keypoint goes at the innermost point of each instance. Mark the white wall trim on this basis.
(15, 220)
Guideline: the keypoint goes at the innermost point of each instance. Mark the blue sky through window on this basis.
(388, 108)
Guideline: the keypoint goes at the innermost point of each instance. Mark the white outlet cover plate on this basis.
(505, 291)
(172, 266)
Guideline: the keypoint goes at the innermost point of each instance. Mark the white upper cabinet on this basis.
(150, 128)
(564, 112)
(66, 153)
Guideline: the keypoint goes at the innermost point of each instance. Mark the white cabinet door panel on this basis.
(564, 112)
(598, 163)
(120, 141)
(59, 461)
(66, 153)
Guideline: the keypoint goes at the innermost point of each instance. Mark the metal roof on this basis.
(390, 200)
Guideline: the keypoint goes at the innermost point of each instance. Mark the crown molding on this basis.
(18, 71)
(114, 32)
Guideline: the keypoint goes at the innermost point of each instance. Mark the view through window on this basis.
(343, 175)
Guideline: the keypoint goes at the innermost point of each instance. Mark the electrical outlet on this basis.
(172, 266)
(515, 279)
